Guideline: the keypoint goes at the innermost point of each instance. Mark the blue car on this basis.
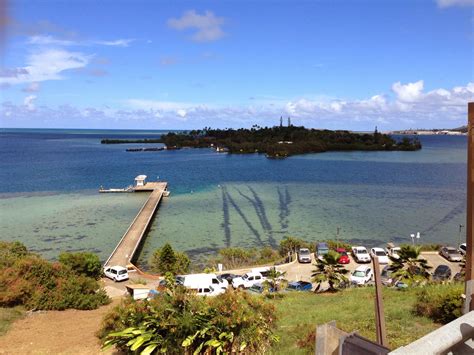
(300, 286)
(259, 288)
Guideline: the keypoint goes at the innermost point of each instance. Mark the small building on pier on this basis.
(140, 180)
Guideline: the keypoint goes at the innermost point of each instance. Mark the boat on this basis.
(166, 193)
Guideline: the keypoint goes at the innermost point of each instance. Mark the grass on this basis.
(8, 316)
(353, 310)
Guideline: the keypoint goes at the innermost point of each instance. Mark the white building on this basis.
(140, 180)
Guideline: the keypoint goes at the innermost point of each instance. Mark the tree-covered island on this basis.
(279, 141)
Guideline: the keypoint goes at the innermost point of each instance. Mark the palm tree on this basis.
(409, 267)
(274, 278)
(328, 270)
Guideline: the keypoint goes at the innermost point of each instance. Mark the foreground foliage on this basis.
(165, 259)
(442, 303)
(177, 322)
(83, 263)
(409, 267)
(28, 280)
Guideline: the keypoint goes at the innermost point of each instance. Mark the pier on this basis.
(128, 245)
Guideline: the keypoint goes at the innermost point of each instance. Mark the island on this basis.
(279, 141)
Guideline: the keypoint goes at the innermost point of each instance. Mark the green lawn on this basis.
(8, 316)
(353, 310)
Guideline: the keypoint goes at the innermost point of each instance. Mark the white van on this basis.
(207, 291)
(202, 280)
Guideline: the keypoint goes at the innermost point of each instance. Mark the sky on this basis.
(334, 64)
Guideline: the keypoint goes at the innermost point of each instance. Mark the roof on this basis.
(140, 177)
(137, 286)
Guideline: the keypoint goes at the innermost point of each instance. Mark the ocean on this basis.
(49, 196)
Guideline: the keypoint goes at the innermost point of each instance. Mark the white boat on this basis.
(166, 193)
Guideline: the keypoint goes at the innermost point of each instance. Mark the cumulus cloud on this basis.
(449, 3)
(45, 65)
(208, 27)
(410, 107)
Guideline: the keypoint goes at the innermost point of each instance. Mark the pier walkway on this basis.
(128, 245)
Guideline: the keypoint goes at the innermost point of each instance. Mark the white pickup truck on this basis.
(248, 280)
(360, 254)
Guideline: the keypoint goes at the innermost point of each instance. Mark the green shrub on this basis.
(180, 322)
(334, 244)
(234, 257)
(442, 303)
(292, 244)
(165, 259)
(87, 264)
(28, 280)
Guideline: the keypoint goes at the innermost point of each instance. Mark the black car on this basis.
(441, 273)
(229, 277)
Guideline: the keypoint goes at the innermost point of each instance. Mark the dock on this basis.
(125, 250)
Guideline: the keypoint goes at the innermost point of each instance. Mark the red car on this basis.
(344, 258)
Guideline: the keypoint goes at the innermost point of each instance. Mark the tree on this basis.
(292, 244)
(328, 270)
(409, 267)
(166, 260)
(87, 264)
(274, 278)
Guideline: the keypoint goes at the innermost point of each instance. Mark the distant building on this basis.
(140, 180)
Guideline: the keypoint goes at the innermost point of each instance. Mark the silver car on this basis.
(304, 255)
(450, 254)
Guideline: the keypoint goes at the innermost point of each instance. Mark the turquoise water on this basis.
(49, 199)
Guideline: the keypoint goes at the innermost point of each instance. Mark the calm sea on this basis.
(49, 200)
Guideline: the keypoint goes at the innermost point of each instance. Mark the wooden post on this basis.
(379, 312)
(469, 288)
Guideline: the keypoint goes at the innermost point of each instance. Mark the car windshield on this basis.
(361, 251)
(343, 253)
(442, 269)
(304, 252)
(358, 273)
(245, 277)
(452, 251)
(380, 253)
(292, 286)
(122, 272)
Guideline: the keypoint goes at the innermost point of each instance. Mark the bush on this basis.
(28, 280)
(334, 244)
(233, 258)
(179, 322)
(441, 303)
(292, 244)
(87, 264)
(165, 259)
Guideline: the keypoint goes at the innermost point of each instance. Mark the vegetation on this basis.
(442, 303)
(165, 259)
(86, 264)
(178, 321)
(409, 267)
(280, 142)
(29, 281)
(298, 315)
(330, 271)
(292, 244)
(235, 257)
(8, 316)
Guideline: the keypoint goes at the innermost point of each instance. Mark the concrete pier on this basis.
(128, 245)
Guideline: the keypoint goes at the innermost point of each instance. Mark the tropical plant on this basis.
(292, 244)
(274, 278)
(328, 270)
(409, 267)
(181, 322)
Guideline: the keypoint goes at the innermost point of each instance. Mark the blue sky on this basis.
(155, 64)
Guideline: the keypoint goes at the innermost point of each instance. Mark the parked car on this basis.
(208, 291)
(360, 254)
(393, 251)
(116, 273)
(321, 250)
(450, 253)
(259, 288)
(462, 249)
(300, 286)
(442, 272)
(196, 281)
(229, 277)
(343, 258)
(361, 275)
(304, 255)
(379, 253)
(247, 280)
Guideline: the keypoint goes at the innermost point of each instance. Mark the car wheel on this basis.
(115, 279)
(241, 287)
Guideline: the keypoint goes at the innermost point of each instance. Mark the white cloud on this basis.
(47, 65)
(449, 3)
(28, 102)
(413, 108)
(409, 92)
(207, 26)
(48, 40)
